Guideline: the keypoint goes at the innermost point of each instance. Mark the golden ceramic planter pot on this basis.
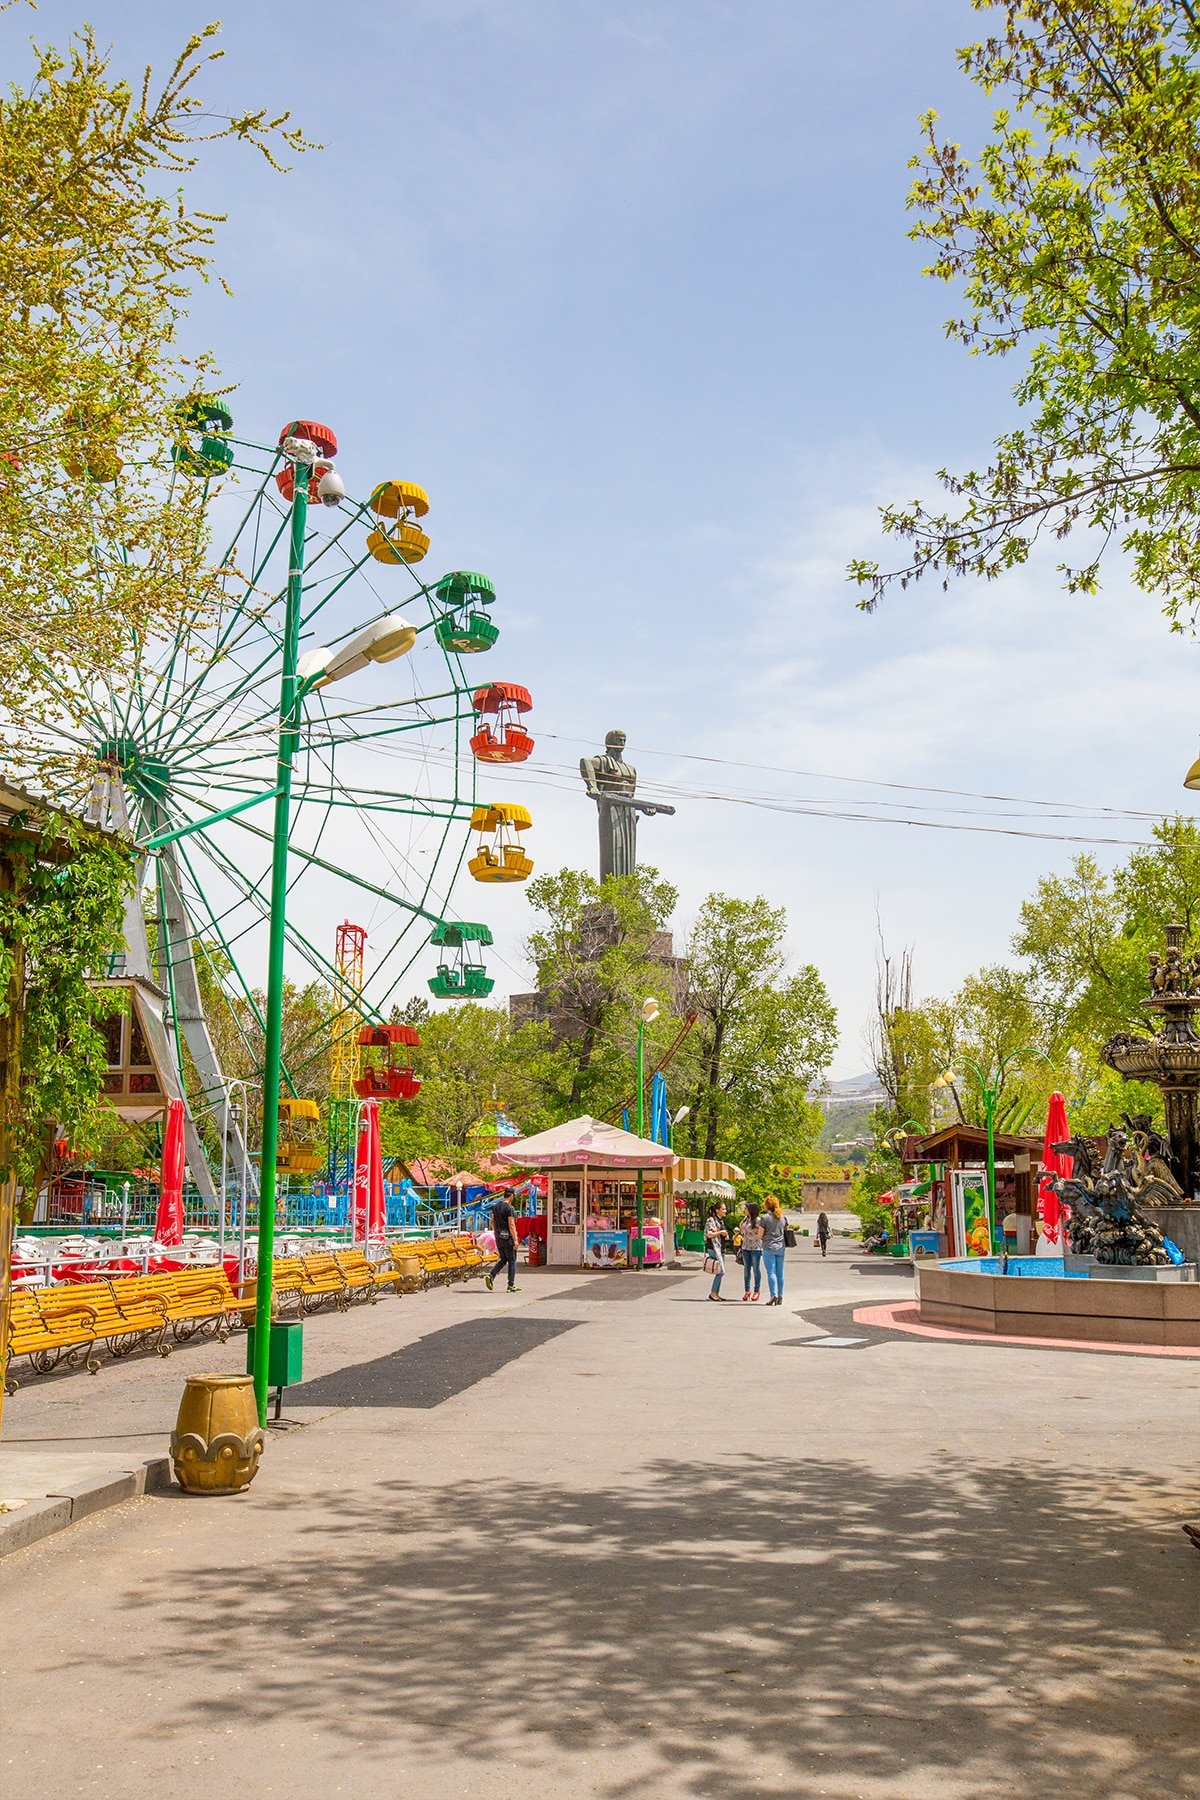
(217, 1443)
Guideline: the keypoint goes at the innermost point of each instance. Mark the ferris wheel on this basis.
(386, 793)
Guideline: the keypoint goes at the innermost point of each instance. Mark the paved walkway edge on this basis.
(39, 1519)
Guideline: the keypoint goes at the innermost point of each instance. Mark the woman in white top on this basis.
(714, 1247)
(752, 1242)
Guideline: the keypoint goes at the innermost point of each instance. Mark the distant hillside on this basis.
(854, 1090)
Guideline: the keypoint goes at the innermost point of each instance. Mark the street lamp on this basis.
(896, 1138)
(381, 641)
(648, 1015)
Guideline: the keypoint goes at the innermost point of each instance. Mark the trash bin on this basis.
(285, 1353)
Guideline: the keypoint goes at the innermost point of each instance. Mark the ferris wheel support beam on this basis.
(177, 958)
(172, 973)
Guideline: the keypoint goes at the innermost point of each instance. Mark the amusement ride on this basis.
(375, 788)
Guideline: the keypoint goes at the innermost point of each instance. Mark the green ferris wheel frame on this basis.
(190, 746)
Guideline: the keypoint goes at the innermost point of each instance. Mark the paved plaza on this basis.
(603, 1538)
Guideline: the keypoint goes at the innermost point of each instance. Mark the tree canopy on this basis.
(1081, 950)
(99, 249)
(597, 951)
(764, 1036)
(1074, 240)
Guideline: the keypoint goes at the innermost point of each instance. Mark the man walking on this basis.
(504, 1225)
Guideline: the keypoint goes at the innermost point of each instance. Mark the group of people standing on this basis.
(763, 1239)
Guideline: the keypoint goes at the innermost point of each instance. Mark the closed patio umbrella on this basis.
(1050, 1208)
(168, 1222)
(370, 1215)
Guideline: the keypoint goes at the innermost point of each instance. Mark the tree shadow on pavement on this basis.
(969, 1633)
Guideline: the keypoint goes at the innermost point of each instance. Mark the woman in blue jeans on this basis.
(752, 1237)
(772, 1247)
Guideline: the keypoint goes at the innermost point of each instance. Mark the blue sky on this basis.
(627, 289)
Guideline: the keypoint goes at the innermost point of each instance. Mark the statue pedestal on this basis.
(1181, 1224)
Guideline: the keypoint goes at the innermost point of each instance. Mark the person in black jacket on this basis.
(504, 1224)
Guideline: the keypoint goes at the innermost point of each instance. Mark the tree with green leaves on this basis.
(1087, 935)
(598, 952)
(62, 897)
(1073, 237)
(99, 249)
(472, 1056)
(1083, 946)
(764, 1036)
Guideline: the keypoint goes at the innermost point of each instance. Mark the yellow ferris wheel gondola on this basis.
(298, 1123)
(403, 542)
(499, 856)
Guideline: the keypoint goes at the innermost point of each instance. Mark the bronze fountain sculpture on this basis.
(1141, 1167)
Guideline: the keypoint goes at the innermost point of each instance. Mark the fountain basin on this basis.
(1069, 1304)
(1035, 1267)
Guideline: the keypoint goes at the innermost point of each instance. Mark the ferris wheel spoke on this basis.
(226, 560)
(190, 710)
(247, 991)
(358, 881)
(254, 894)
(243, 736)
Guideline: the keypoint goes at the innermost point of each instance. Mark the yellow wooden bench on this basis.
(403, 1253)
(313, 1281)
(66, 1323)
(196, 1301)
(287, 1279)
(122, 1324)
(66, 1334)
(470, 1256)
(363, 1276)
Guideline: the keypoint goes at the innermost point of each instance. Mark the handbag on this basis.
(789, 1236)
(737, 1255)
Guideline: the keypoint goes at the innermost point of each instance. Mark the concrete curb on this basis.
(39, 1519)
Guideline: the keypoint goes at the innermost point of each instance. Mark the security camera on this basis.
(331, 489)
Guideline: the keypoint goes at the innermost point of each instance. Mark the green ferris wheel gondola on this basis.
(211, 421)
(461, 976)
(465, 627)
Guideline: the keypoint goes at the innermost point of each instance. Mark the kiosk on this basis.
(592, 1206)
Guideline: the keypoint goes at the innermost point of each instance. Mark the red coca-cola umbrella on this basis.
(370, 1212)
(168, 1222)
(1050, 1208)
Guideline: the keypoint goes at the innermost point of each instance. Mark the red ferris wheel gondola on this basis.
(507, 741)
(326, 443)
(393, 1077)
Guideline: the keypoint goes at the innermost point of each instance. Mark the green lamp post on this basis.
(648, 1014)
(381, 641)
(990, 1091)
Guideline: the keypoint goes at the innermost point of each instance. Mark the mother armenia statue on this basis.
(612, 783)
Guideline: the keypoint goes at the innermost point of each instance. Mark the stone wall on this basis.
(825, 1196)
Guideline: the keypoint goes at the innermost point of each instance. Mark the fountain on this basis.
(1134, 1227)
